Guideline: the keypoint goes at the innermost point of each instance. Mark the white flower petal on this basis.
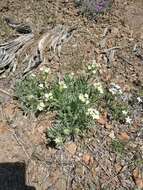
(128, 120)
(41, 85)
(124, 112)
(139, 99)
(82, 98)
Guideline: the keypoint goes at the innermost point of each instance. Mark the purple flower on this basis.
(101, 5)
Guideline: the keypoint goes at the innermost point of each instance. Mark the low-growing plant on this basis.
(117, 109)
(118, 147)
(31, 92)
(76, 101)
(93, 7)
(73, 99)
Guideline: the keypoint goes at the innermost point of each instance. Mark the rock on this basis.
(124, 136)
(87, 158)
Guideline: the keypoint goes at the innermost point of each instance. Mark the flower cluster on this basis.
(98, 87)
(101, 5)
(93, 113)
(93, 7)
(71, 75)
(62, 85)
(125, 112)
(30, 97)
(127, 118)
(84, 98)
(41, 106)
(41, 85)
(92, 67)
(45, 70)
(48, 96)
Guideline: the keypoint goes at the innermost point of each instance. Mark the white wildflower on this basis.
(124, 112)
(41, 106)
(45, 69)
(41, 69)
(87, 102)
(93, 113)
(94, 71)
(112, 135)
(71, 75)
(94, 64)
(62, 85)
(128, 120)
(82, 98)
(86, 96)
(92, 67)
(89, 67)
(99, 87)
(41, 85)
(139, 99)
(87, 99)
(48, 96)
(30, 97)
(58, 140)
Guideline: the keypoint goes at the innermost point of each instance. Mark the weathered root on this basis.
(13, 50)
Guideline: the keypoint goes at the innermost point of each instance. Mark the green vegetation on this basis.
(118, 147)
(77, 101)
